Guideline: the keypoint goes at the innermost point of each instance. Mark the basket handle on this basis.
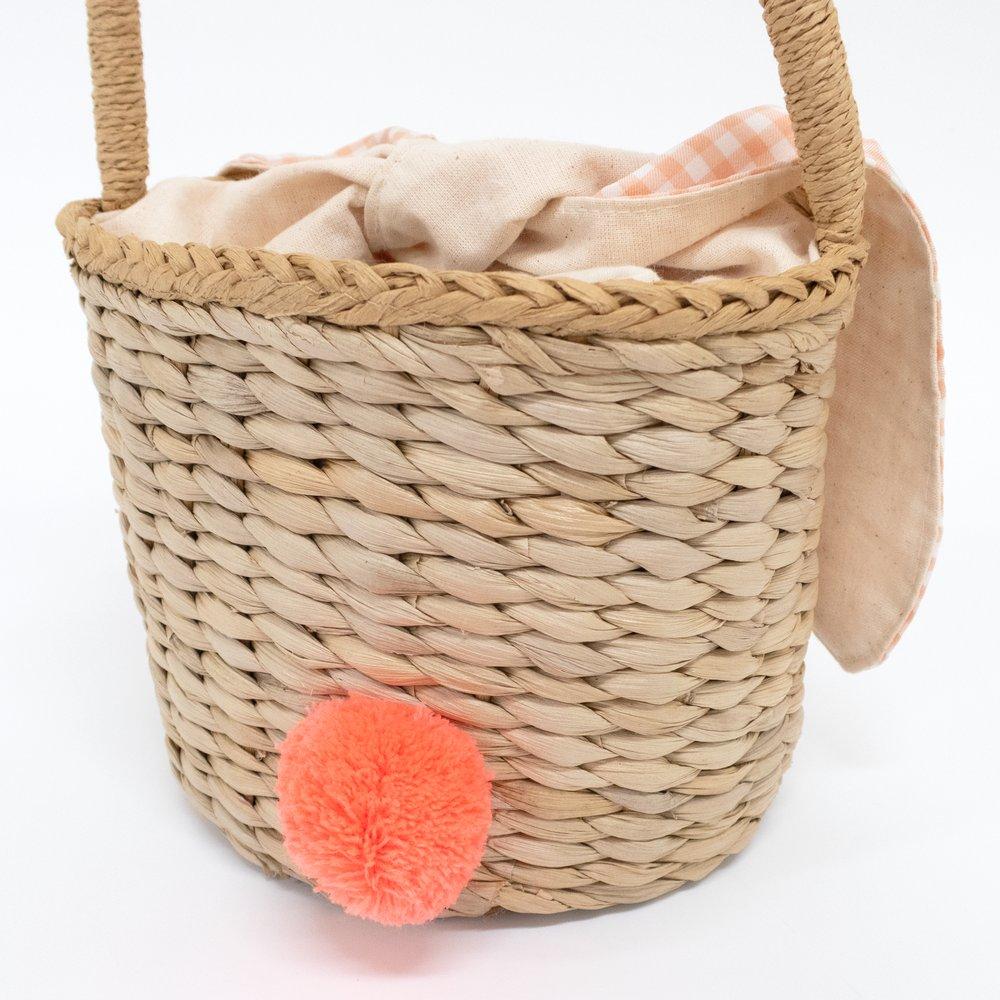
(119, 100)
(805, 35)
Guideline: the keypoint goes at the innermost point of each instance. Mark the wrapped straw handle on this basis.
(805, 35)
(119, 100)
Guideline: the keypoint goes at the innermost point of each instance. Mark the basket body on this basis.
(597, 555)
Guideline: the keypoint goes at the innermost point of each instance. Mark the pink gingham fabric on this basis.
(740, 145)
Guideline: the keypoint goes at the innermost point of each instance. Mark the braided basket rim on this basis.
(352, 293)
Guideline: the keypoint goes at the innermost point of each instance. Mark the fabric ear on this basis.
(881, 522)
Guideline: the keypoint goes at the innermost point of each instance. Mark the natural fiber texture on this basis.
(355, 294)
(599, 557)
(578, 520)
(119, 100)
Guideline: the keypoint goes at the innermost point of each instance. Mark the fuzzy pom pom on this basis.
(384, 806)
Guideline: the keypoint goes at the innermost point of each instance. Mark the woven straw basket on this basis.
(579, 520)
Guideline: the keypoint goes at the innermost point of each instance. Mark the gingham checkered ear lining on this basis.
(739, 145)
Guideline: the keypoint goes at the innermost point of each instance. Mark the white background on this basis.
(875, 872)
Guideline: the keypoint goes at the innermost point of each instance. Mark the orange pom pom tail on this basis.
(384, 806)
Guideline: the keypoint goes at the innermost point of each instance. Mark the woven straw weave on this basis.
(579, 520)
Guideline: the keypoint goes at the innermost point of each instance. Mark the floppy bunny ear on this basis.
(883, 469)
